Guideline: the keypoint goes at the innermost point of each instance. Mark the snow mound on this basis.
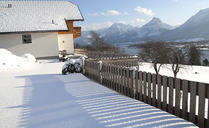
(29, 57)
(73, 65)
(73, 61)
(11, 61)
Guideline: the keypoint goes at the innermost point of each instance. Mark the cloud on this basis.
(110, 13)
(145, 11)
(96, 26)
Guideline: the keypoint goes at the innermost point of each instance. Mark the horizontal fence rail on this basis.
(81, 51)
(183, 98)
(106, 55)
(128, 61)
(124, 62)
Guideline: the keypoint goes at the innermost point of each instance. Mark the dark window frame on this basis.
(26, 38)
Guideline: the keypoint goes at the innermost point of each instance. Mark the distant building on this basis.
(42, 28)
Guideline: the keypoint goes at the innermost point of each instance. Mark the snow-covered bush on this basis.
(73, 66)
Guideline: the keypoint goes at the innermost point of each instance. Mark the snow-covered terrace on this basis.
(36, 15)
(40, 97)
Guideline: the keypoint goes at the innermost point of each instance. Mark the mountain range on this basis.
(196, 28)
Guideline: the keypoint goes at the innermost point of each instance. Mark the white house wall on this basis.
(43, 44)
(66, 43)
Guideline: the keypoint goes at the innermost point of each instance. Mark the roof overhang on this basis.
(69, 12)
(22, 32)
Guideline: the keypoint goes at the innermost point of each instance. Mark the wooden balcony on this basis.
(76, 32)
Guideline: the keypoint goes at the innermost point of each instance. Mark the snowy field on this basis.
(192, 73)
(40, 97)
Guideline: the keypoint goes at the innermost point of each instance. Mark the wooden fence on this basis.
(106, 55)
(122, 61)
(183, 98)
(103, 55)
(81, 51)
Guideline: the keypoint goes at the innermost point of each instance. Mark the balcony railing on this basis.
(76, 32)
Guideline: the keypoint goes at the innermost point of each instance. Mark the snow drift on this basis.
(11, 61)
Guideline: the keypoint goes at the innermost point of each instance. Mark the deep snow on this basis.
(40, 97)
(9, 61)
(192, 73)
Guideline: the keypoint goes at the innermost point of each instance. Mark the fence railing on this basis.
(81, 51)
(121, 61)
(183, 98)
(106, 55)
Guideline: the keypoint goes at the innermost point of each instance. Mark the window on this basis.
(26, 39)
(9, 5)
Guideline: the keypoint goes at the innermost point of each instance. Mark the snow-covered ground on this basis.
(40, 97)
(9, 61)
(192, 73)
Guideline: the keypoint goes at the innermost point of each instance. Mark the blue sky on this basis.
(103, 13)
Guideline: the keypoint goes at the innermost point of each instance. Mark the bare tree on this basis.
(177, 57)
(99, 44)
(205, 62)
(194, 56)
(160, 53)
(156, 53)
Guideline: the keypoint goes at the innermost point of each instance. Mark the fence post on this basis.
(100, 71)
(83, 66)
(133, 86)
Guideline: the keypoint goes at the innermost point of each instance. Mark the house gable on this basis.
(76, 31)
(37, 16)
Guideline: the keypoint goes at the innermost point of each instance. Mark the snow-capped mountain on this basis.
(116, 33)
(120, 33)
(119, 28)
(153, 28)
(197, 27)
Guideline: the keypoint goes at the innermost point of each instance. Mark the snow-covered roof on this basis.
(37, 15)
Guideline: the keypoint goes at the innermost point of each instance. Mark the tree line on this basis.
(97, 43)
(161, 53)
(158, 53)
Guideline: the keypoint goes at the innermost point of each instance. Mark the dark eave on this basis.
(76, 20)
(44, 31)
